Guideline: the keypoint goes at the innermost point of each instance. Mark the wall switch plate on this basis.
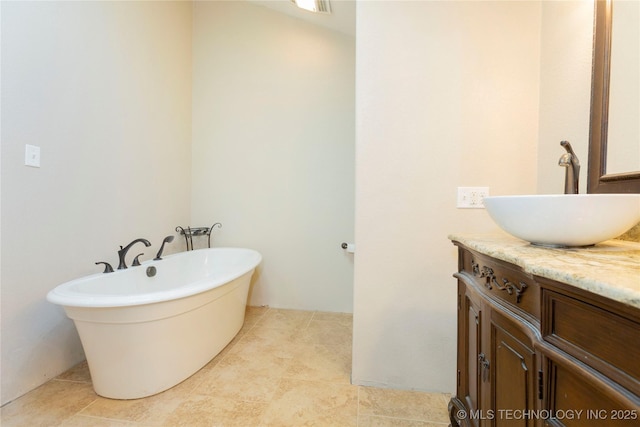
(471, 197)
(32, 156)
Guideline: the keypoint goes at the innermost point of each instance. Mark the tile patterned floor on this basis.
(284, 368)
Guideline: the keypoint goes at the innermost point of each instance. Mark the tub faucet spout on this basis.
(122, 253)
(570, 161)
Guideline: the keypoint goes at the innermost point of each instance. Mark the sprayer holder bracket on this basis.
(191, 232)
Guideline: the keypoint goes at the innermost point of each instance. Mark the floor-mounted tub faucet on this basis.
(570, 161)
(122, 253)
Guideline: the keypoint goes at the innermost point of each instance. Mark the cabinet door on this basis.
(513, 374)
(469, 345)
(583, 399)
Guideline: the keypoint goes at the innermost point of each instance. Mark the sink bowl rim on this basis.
(535, 221)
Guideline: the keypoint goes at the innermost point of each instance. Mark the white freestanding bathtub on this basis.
(142, 335)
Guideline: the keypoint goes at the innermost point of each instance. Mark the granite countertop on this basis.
(610, 269)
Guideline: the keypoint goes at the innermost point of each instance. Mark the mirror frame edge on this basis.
(598, 181)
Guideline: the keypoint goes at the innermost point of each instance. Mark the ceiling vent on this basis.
(317, 6)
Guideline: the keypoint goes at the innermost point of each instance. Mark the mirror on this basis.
(614, 144)
(623, 135)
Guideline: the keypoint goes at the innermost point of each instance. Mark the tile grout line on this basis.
(279, 381)
(358, 407)
(388, 417)
(310, 319)
(95, 417)
(79, 412)
(70, 381)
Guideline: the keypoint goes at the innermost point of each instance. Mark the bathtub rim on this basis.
(61, 295)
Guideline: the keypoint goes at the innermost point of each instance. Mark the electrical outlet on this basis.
(471, 197)
(32, 155)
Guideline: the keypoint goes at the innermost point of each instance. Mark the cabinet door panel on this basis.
(473, 322)
(575, 401)
(513, 374)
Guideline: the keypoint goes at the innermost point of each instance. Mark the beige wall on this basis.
(451, 94)
(447, 96)
(273, 149)
(104, 88)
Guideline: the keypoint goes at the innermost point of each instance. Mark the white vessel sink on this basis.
(561, 220)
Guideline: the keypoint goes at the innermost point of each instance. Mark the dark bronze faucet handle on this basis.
(136, 261)
(107, 266)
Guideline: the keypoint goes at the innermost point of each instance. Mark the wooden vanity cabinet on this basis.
(535, 352)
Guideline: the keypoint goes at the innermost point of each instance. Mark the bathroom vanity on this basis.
(547, 337)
